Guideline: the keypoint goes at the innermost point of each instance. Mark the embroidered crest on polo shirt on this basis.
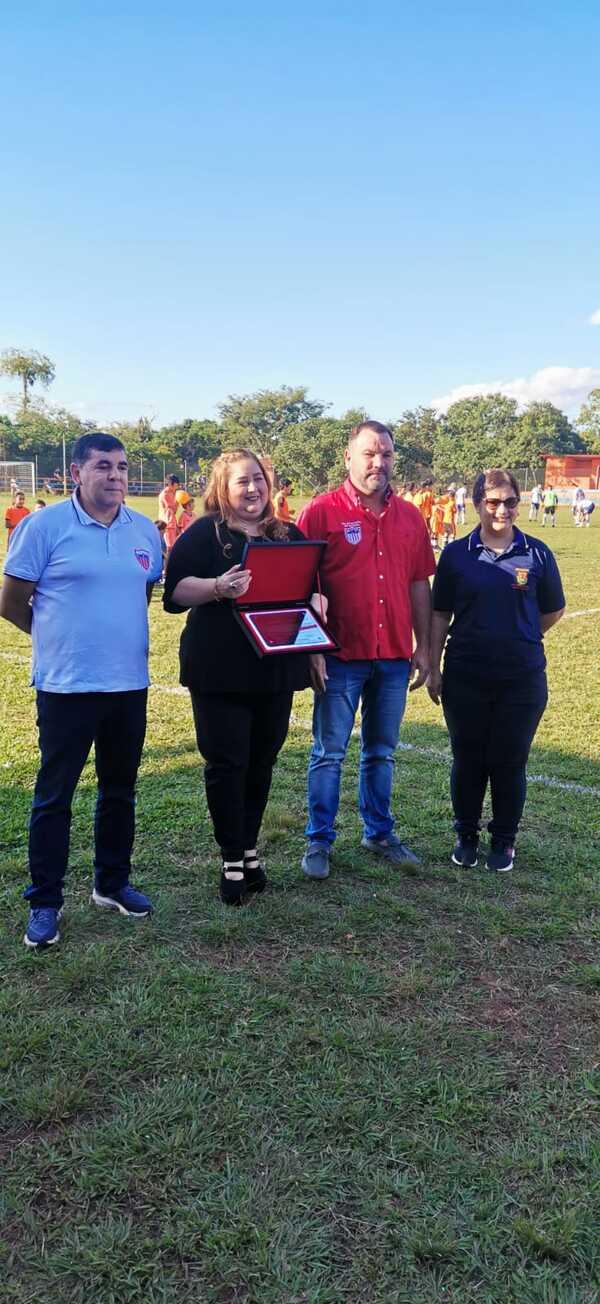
(143, 558)
(352, 531)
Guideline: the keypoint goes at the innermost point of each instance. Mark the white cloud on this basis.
(594, 320)
(566, 387)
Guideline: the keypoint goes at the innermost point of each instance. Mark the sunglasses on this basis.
(495, 503)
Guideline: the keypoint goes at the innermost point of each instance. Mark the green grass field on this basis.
(382, 1088)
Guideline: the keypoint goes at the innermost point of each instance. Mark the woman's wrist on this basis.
(218, 597)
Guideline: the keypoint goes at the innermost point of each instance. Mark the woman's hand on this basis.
(233, 583)
(434, 685)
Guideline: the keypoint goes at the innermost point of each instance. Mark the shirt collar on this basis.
(354, 495)
(123, 514)
(519, 543)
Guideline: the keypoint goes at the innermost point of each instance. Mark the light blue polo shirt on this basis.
(90, 618)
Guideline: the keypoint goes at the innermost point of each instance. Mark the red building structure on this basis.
(571, 469)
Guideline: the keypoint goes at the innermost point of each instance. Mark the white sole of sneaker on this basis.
(461, 864)
(505, 869)
(33, 946)
(107, 903)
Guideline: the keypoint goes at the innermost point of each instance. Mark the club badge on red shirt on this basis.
(352, 531)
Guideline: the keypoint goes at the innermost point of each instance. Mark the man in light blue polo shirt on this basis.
(78, 578)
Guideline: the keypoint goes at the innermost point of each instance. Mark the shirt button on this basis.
(381, 626)
(381, 599)
(381, 577)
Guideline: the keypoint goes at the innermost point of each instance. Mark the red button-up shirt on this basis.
(368, 567)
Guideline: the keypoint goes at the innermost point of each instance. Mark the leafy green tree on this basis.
(473, 435)
(191, 441)
(312, 453)
(32, 368)
(588, 422)
(541, 428)
(415, 437)
(259, 420)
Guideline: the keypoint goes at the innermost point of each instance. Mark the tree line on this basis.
(302, 440)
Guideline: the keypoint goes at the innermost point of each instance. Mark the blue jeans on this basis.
(380, 687)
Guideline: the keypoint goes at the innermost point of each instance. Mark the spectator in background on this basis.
(39, 504)
(15, 514)
(283, 511)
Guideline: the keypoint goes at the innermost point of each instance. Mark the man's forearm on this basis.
(15, 606)
(420, 604)
(17, 614)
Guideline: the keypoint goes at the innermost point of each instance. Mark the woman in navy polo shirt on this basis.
(495, 594)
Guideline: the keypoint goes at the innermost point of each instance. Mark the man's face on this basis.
(369, 462)
(102, 479)
(19, 500)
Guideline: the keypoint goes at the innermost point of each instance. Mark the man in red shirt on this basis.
(375, 576)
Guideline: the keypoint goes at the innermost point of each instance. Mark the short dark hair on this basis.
(285, 484)
(376, 426)
(492, 479)
(97, 441)
(173, 479)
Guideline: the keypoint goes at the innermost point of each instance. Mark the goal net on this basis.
(21, 474)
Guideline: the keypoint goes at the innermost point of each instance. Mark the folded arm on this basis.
(15, 602)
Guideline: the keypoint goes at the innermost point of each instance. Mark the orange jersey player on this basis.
(283, 511)
(15, 514)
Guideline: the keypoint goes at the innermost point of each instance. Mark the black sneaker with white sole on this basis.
(465, 852)
(501, 856)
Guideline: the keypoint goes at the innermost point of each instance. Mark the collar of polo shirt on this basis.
(123, 513)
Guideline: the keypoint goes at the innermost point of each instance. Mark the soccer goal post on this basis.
(21, 474)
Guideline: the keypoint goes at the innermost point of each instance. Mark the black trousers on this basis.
(492, 726)
(68, 725)
(239, 735)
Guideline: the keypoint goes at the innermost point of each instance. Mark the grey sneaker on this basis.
(392, 849)
(315, 861)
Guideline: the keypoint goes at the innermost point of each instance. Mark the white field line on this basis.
(565, 785)
(589, 611)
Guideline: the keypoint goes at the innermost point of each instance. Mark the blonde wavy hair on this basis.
(216, 498)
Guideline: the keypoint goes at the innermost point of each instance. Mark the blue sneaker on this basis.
(42, 929)
(128, 901)
(392, 849)
(315, 861)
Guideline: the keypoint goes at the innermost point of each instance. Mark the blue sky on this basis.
(384, 205)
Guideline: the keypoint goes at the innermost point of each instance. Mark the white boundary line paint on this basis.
(589, 611)
(564, 785)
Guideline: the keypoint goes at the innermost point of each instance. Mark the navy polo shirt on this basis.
(496, 601)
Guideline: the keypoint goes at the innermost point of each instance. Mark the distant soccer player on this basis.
(461, 503)
(535, 502)
(550, 505)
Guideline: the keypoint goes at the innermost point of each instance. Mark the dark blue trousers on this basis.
(68, 725)
(492, 725)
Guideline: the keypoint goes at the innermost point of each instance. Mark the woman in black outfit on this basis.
(495, 594)
(241, 704)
